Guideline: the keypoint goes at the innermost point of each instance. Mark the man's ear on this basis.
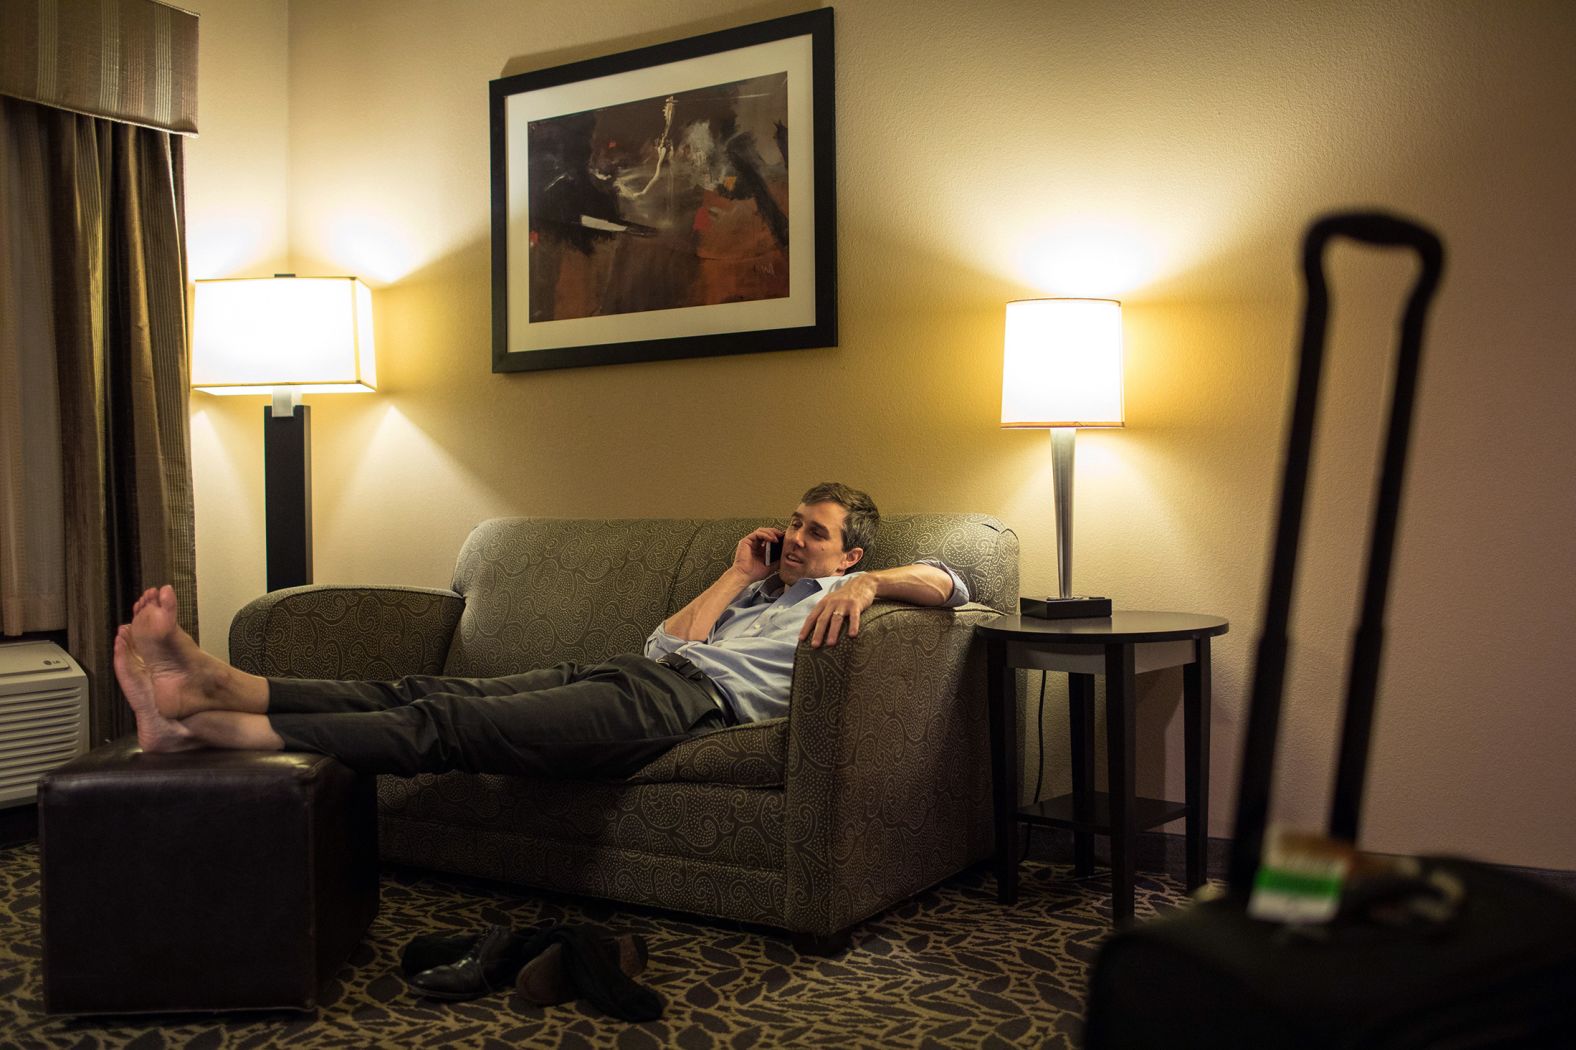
(850, 559)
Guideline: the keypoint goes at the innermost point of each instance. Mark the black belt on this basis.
(675, 662)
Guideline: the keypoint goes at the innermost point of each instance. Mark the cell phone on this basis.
(774, 551)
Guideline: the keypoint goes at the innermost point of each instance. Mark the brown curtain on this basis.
(32, 518)
(102, 202)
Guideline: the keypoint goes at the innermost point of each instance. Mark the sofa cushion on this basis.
(718, 824)
(752, 755)
(539, 592)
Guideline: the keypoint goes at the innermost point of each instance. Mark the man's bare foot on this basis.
(183, 679)
(155, 732)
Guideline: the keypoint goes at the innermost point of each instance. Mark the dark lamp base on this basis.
(1076, 607)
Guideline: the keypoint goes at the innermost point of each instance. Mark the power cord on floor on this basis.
(1039, 776)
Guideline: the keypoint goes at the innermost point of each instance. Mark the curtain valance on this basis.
(127, 60)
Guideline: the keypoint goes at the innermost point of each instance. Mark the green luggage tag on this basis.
(1300, 878)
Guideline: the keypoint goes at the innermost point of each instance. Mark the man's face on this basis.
(813, 543)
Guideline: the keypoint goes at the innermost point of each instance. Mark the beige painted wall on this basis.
(237, 222)
(1165, 154)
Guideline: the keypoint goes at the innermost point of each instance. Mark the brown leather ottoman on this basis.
(205, 880)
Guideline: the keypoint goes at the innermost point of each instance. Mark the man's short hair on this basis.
(859, 528)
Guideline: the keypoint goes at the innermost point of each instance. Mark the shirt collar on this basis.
(772, 587)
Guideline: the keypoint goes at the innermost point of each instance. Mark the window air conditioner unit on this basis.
(43, 716)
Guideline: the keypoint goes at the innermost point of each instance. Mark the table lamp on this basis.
(1062, 369)
(284, 336)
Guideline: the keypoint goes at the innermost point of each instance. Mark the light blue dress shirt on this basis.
(749, 653)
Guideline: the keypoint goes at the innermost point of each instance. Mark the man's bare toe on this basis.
(155, 630)
(147, 596)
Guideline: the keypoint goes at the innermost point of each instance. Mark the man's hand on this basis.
(839, 612)
(694, 622)
(749, 557)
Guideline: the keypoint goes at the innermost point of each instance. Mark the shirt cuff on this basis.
(660, 643)
(960, 589)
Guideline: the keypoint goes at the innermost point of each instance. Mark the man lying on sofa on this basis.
(726, 657)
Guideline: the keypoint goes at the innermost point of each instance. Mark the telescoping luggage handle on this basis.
(1258, 757)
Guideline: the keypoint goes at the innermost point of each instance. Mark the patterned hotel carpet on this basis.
(949, 968)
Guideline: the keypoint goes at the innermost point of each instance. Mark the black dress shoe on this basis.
(435, 949)
(491, 965)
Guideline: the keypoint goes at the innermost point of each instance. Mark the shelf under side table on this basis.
(1058, 812)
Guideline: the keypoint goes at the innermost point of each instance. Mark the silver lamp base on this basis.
(1066, 606)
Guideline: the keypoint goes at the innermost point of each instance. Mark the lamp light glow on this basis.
(1062, 364)
(250, 335)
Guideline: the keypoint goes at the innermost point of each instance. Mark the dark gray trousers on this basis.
(596, 721)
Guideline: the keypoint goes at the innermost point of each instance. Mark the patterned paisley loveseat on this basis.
(876, 785)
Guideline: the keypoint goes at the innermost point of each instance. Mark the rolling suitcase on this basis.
(1424, 952)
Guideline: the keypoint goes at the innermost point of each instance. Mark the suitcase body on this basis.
(1212, 977)
(1500, 972)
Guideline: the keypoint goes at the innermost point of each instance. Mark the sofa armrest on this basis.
(888, 779)
(330, 631)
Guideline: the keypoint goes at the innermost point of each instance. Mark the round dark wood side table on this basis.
(1120, 646)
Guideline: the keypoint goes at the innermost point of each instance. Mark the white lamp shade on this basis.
(250, 335)
(1062, 364)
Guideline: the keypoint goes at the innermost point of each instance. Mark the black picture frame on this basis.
(560, 105)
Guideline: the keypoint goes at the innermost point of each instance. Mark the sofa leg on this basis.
(822, 943)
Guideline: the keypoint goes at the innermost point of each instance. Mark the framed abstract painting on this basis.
(673, 201)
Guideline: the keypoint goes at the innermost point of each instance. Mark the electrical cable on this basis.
(1039, 776)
